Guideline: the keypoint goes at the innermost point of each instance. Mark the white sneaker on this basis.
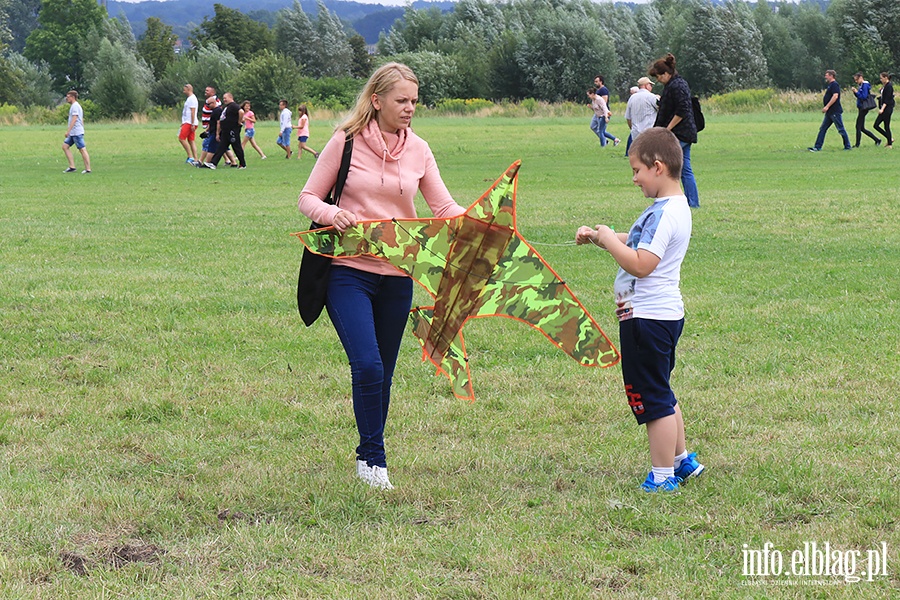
(364, 471)
(380, 478)
(209, 165)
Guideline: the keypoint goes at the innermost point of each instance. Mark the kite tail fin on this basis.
(454, 364)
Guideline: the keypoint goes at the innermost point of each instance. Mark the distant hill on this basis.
(185, 15)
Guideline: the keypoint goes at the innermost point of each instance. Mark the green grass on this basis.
(161, 400)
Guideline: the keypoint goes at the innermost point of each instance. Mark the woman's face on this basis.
(664, 78)
(884, 79)
(396, 107)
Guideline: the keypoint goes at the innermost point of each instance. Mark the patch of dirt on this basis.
(120, 556)
(74, 562)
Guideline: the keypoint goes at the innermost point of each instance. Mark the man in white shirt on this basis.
(75, 134)
(640, 112)
(189, 124)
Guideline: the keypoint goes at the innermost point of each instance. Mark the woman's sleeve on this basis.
(435, 192)
(321, 181)
(683, 106)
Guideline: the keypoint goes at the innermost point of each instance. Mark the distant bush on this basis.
(333, 93)
(458, 106)
(766, 100)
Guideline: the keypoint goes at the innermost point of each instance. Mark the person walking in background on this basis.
(676, 113)
(598, 125)
(641, 110)
(600, 118)
(75, 134)
(885, 109)
(833, 112)
(303, 133)
(229, 132)
(210, 142)
(249, 122)
(863, 105)
(368, 299)
(189, 124)
(284, 124)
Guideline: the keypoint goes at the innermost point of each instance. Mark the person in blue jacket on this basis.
(862, 94)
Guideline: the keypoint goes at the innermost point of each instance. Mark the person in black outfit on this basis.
(229, 131)
(676, 113)
(885, 109)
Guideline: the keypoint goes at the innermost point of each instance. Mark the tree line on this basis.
(548, 50)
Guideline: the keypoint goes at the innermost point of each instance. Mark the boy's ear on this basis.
(660, 168)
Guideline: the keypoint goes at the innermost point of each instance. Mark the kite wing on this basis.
(474, 265)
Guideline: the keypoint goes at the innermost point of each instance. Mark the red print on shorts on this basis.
(634, 401)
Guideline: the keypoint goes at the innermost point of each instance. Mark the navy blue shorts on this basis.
(648, 357)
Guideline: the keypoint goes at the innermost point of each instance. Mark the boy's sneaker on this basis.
(669, 485)
(190, 161)
(86, 172)
(380, 478)
(690, 467)
(209, 165)
(70, 170)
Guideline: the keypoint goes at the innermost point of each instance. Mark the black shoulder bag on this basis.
(312, 283)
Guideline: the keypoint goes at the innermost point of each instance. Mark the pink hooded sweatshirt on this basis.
(381, 184)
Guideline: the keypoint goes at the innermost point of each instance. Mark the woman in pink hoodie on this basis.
(368, 299)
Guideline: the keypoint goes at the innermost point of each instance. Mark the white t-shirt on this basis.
(285, 121)
(665, 230)
(190, 103)
(76, 111)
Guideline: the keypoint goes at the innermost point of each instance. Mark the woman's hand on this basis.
(343, 220)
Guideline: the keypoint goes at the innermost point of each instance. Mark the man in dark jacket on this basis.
(229, 131)
(833, 112)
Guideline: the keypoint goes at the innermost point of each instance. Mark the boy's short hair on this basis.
(72, 93)
(831, 72)
(659, 144)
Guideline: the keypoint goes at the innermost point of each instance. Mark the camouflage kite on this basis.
(474, 265)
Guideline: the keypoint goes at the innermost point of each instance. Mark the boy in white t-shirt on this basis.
(285, 127)
(649, 304)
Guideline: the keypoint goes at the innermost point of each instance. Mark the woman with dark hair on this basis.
(862, 94)
(676, 113)
(885, 109)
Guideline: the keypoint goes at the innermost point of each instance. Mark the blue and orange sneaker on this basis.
(690, 467)
(669, 485)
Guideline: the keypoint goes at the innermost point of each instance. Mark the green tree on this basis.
(295, 35)
(439, 75)
(64, 25)
(157, 46)
(334, 52)
(864, 48)
(265, 79)
(21, 19)
(233, 31)
(361, 60)
(559, 54)
(31, 84)
(119, 81)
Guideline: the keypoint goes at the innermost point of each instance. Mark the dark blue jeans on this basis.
(687, 177)
(369, 313)
(827, 121)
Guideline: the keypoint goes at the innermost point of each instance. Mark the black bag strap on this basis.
(335, 196)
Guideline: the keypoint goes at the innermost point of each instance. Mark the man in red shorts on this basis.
(189, 124)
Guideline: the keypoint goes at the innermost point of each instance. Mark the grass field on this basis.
(169, 429)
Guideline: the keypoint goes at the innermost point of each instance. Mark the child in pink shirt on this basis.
(303, 133)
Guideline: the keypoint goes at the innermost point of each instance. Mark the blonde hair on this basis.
(381, 82)
(302, 109)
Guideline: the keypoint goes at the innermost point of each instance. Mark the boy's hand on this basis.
(599, 235)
